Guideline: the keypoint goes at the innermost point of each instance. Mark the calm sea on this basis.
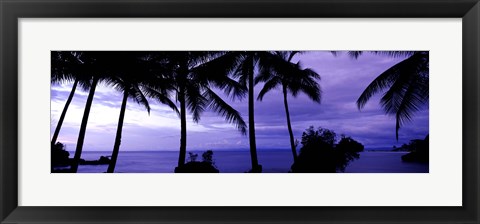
(274, 161)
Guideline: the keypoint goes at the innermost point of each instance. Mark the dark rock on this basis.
(196, 167)
(104, 160)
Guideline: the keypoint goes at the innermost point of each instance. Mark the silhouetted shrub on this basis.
(59, 155)
(192, 157)
(206, 166)
(346, 150)
(419, 151)
(321, 154)
(207, 156)
(257, 169)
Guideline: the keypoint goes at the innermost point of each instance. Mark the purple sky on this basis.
(343, 80)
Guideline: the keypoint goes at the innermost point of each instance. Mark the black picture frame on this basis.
(12, 10)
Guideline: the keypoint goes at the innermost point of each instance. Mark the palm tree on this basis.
(63, 66)
(132, 77)
(95, 66)
(292, 78)
(194, 75)
(242, 66)
(406, 85)
(246, 72)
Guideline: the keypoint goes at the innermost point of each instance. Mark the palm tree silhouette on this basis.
(96, 65)
(280, 71)
(242, 65)
(132, 76)
(64, 67)
(245, 72)
(406, 85)
(194, 74)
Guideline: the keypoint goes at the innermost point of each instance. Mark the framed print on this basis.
(208, 124)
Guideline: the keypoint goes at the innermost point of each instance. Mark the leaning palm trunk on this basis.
(83, 127)
(251, 123)
(118, 137)
(290, 132)
(64, 112)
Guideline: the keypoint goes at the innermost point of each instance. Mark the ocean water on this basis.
(272, 161)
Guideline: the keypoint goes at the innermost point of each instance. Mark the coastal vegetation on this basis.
(59, 156)
(418, 151)
(207, 165)
(321, 152)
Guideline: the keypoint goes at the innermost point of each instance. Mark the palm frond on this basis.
(218, 67)
(271, 84)
(230, 87)
(414, 65)
(395, 54)
(290, 75)
(66, 67)
(196, 58)
(395, 94)
(335, 53)
(221, 107)
(137, 94)
(196, 102)
(383, 81)
(161, 95)
(309, 86)
(411, 102)
(245, 69)
(355, 54)
(216, 73)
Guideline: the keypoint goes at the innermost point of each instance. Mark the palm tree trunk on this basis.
(64, 112)
(251, 122)
(289, 125)
(83, 127)
(183, 128)
(118, 137)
